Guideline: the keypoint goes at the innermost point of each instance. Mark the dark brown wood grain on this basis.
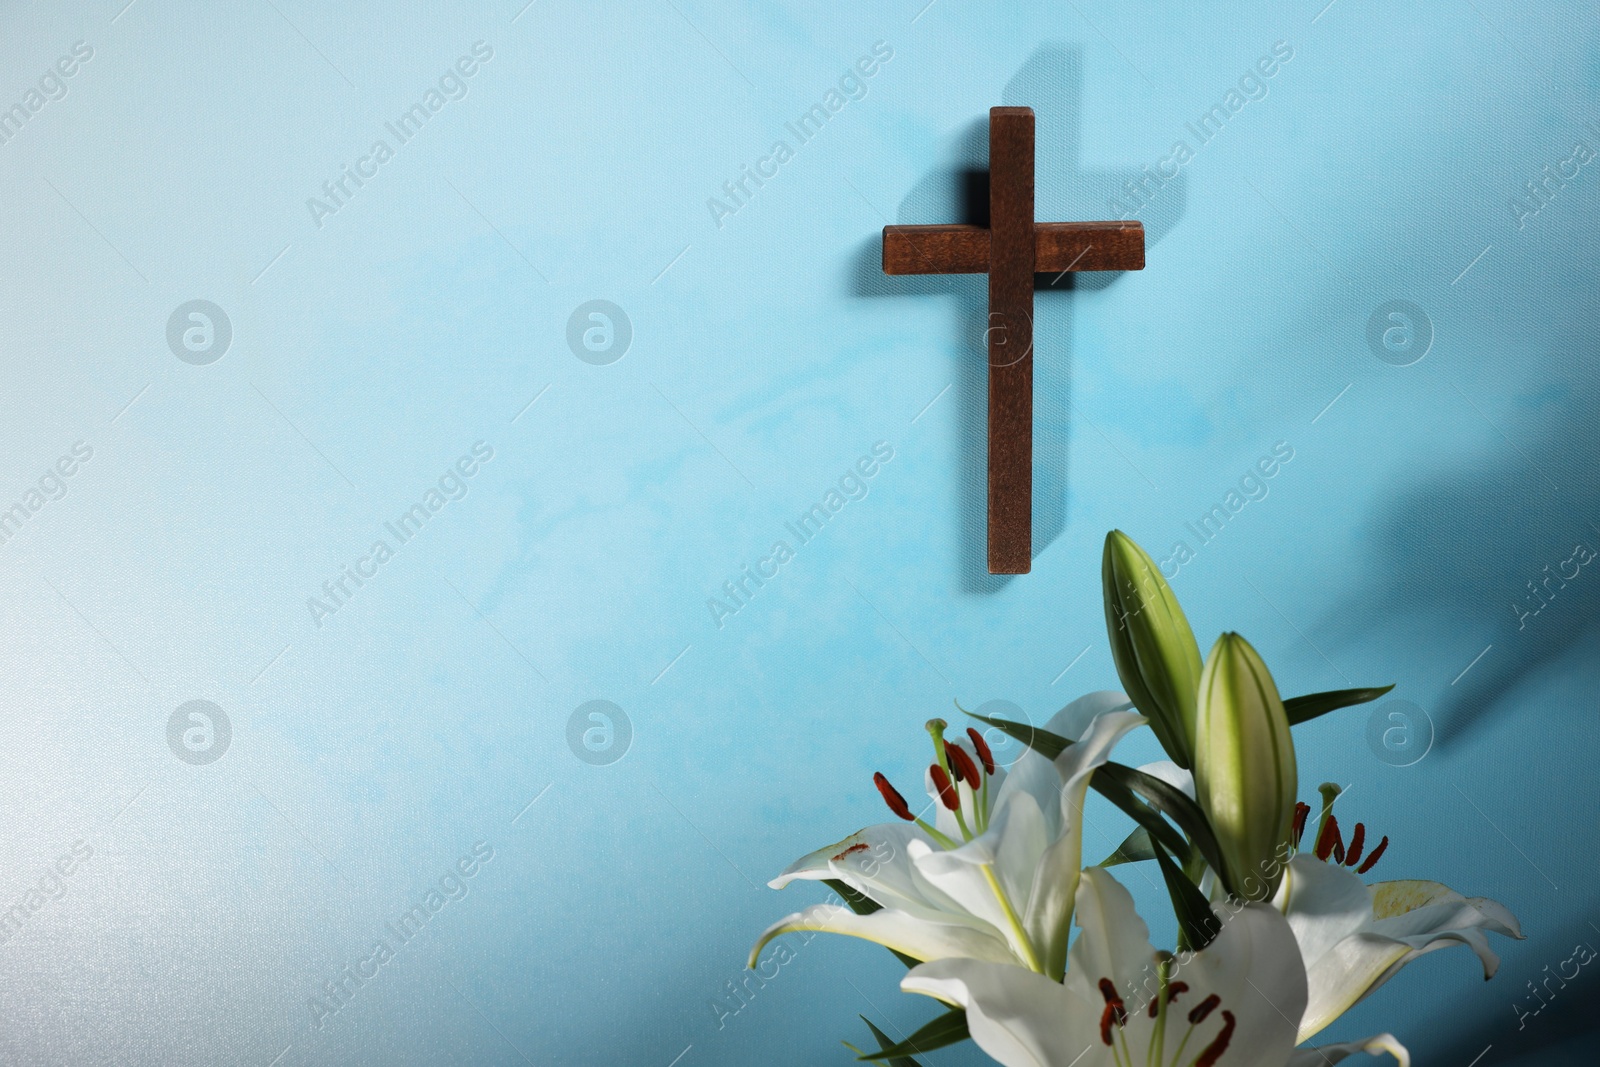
(1010, 336)
(1011, 249)
(1057, 246)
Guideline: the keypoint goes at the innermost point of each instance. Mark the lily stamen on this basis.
(1331, 843)
(1328, 840)
(1198, 1013)
(1301, 811)
(892, 797)
(947, 792)
(898, 805)
(981, 747)
(1219, 1044)
(967, 771)
(1358, 837)
(1115, 1011)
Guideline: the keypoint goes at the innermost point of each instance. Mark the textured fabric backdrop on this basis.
(397, 382)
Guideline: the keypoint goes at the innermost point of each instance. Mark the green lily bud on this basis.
(1154, 649)
(1244, 767)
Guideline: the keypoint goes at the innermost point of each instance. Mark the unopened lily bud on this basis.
(1244, 766)
(1151, 642)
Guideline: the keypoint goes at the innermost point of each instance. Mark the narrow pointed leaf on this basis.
(1196, 920)
(1042, 741)
(947, 1029)
(1308, 707)
(885, 1042)
(1118, 782)
(1173, 802)
(1135, 848)
(1140, 812)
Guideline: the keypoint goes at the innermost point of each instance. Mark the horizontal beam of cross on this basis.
(1058, 246)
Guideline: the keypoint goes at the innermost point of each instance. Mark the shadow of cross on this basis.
(1052, 81)
(1010, 250)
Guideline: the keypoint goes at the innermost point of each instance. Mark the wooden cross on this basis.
(1011, 250)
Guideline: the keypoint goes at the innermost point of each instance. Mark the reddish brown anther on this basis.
(1328, 838)
(1172, 992)
(1219, 1044)
(1115, 1011)
(1358, 837)
(892, 797)
(962, 764)
(1372, 857)
(981, 747)
(1301, 810)
(947, 792)
(1198, 1013)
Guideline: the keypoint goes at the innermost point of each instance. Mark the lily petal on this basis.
(916, 936)
(1055, 881)
(1376, 1045)
(1023, 1019)
(1073, 721)
(1253, 965)
(1009, 1011)
(1354, 937)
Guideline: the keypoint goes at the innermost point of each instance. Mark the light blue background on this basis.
(371, 752)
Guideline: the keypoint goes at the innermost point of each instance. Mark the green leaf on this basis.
(1042, 741)
(1134, 848)
(1140, 812)
(884, 1044)
(1308, 707)
(1172, 802)
(947, 1029)
(1197, 923)
(1118, 782)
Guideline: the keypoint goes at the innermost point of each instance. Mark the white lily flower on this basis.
(993, 878)
(1354, 937)
(1233, 1004)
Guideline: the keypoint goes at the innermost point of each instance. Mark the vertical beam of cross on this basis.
(1010, 338)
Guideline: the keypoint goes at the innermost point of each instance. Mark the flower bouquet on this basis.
(978, 889)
